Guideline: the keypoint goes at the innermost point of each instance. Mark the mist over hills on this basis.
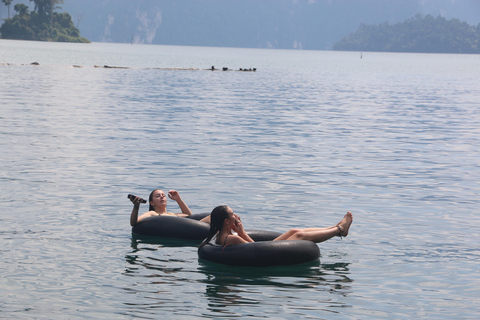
(280, 24)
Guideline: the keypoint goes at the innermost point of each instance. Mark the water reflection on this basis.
(142, 244)
(163, 241)
(165, 267)
(400, 150)
(227, 286)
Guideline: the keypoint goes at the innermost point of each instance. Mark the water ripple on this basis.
(392, 138)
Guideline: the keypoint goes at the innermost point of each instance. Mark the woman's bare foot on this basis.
(345, 224)
(344, 217)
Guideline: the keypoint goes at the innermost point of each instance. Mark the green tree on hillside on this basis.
(42, 24)
(46, 7)
(8, 3)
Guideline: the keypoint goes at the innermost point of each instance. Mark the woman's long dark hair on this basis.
(150, 199)
(217, 217)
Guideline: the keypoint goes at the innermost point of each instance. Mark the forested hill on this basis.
(418, 34)
(42, 24)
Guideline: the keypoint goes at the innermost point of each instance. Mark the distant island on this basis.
(41, 24)
(419, 34)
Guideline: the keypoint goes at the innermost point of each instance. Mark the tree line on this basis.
(418, 34)
(41, 24)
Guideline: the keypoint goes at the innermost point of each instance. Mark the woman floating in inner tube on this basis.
(224, 221)
(158, 206)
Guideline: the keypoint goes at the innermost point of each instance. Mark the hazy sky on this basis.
(290, 24)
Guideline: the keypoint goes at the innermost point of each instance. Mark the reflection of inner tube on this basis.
(261, 254)
(189, 228)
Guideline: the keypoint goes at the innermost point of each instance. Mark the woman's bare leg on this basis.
(290, 232)
(320, 234)
(287, 234)
(206, 219)
(326, 228)
(346, 217)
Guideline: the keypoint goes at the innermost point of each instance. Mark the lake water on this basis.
(394, 138)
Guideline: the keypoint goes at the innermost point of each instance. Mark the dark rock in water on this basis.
(35, 64)
(225, 69)
(113, 67)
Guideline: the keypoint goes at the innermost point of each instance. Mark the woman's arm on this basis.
(238, 228)
(175, 196)
(134, 218)
(134, 215)
(234, 239)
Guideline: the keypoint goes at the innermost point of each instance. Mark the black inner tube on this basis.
(262, 254)
(189, 228)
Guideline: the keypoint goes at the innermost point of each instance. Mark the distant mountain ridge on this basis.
(280, 24)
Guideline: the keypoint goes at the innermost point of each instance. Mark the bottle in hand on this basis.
(131, 197)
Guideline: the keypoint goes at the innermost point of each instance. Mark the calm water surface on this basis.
(394, 138)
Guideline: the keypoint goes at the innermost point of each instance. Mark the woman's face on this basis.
(159, 199)
(231, 218)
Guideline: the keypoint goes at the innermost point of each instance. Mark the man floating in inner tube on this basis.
(224, 222)
(158, 206)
